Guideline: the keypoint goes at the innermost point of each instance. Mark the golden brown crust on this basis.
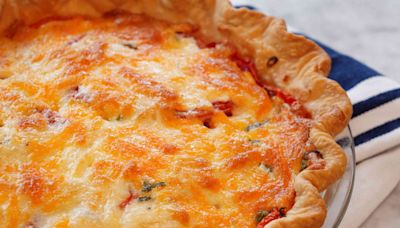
(301, 70)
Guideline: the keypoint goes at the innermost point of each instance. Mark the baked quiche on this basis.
(163, 113)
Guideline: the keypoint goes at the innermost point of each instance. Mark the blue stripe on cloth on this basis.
(375, 101)
(246, 6)
(377, 131)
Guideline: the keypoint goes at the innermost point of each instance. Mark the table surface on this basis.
(363, 29)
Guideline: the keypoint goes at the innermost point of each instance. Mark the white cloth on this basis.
(375, 179)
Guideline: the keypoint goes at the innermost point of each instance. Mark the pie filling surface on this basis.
(127, 120)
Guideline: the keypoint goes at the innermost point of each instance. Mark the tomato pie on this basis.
(163, 113)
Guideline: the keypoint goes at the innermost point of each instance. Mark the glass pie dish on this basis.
(337, 196)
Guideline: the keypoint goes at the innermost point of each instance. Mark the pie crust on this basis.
(301, 71)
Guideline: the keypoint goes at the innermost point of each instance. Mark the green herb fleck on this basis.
(260, 215)
(304, 164)
(144, 198)
(131, 45)
(147, 186)
(160, 184)
(255, 125)
(255, 141)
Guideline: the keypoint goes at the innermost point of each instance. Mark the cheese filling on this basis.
(126, 122)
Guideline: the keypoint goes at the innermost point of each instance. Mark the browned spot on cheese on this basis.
(106, 171)
(63, 223)
(147, 85)
(242, 159)
(44, 189)
(4, 74)
(207, 181)
(80, 62)
(181, 215)
(36, 121)
(124, 149)
(132, 171)
(13, 212)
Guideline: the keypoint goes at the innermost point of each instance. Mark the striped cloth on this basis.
(376, 103)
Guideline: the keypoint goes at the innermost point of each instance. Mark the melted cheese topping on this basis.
(125, 121)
